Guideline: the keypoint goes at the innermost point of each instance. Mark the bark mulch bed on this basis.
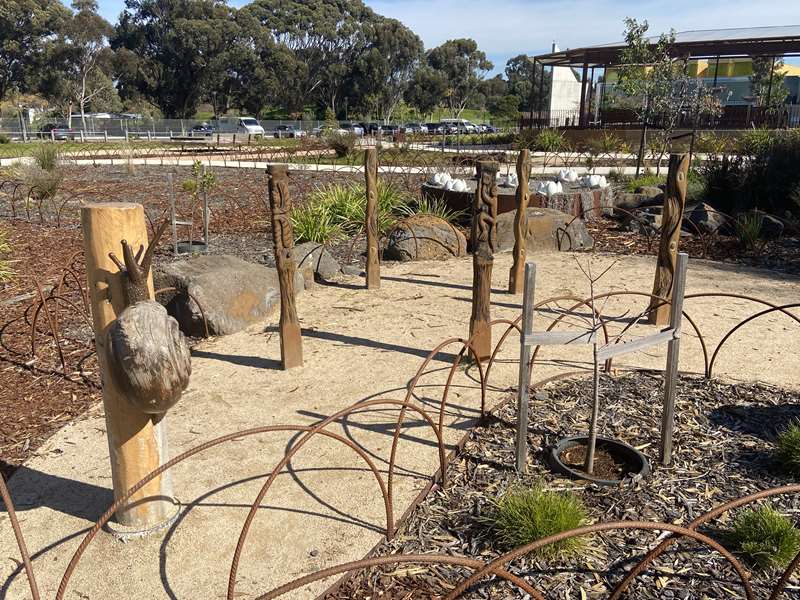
(724, 438)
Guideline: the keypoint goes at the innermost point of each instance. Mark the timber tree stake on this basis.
(280, 204)
(515, 276)
(484, 236)
(671, 221)
(371, 224)
(136, 440)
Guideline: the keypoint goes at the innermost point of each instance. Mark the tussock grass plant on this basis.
(523, 515)
(787, 449)
(435, 207)
(765, 538)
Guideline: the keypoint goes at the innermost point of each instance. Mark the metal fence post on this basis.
(524, 372)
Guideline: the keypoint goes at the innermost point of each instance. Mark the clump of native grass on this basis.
(765, 538)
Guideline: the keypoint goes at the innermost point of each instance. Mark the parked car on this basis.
(249, 126)
(487, 128)
(459, 125)
(354, 128)
(435, 128)
(389, 129)
(414, 128)
(370, 127)
(203, 129)
(288, 131)
(56, 132)
(324, 130)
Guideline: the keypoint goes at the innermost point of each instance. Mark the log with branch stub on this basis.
(516, 275)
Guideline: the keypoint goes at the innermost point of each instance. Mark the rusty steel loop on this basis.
(310, 430)
(398, 559)
(296, 447)
(164, 290)
(53, 326)
(743, 574)
(5, 495)
(702, 519)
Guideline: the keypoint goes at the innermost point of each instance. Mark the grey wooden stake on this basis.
(524, 372)
(206, 214)
(173, 216)
(673, 348)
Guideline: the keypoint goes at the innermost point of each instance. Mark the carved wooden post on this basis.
(136, 440)
(671, 221)
(515, 276)
(484, 235)
(371, 224)
(280, 204)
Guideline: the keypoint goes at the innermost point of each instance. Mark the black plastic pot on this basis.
(195, 247)
(637, 463)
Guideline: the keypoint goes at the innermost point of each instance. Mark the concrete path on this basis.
(327, 509)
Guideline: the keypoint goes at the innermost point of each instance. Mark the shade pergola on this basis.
(777, 41)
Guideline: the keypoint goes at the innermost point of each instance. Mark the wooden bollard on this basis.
(517, 273)
(280, 205)
(136, 440)
(671, 222)
(484, 238)
(371, 218)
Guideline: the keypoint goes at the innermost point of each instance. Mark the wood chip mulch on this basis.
(724, 440)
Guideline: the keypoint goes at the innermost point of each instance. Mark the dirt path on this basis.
(327, 509)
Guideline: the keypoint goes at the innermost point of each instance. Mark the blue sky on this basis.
(505, 28)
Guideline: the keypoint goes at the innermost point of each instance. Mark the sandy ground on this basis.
(326, 509)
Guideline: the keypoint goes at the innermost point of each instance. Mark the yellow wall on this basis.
(728, 67)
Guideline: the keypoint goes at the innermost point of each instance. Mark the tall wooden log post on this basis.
(281, 206)
(484, 241)
(671, 221)
(371, 214)
(517, 273)
(136, 440)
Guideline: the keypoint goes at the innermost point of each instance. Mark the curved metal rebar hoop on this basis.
(742, 324)
(5, 495)
(164, 290)
(310, 431)
(53, 326)
(704, 518)
(597, 528)
(401, 559)
(295, 448)
(56, 300)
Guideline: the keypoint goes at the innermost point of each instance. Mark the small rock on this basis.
(424, 237)
(548, 229)
(323, 266)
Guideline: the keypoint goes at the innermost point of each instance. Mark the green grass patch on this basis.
(435, 207)
(788, 448)
(644, 181)
(523, 515)
(765, 538)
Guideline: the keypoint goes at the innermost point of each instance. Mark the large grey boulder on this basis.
(628, 201)
(705, 219)
(315, 259)
(548, 230)
(233, 293)
(424, 237)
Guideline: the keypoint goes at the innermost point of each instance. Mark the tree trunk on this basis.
(516, 275)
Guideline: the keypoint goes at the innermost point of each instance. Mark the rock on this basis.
(424, 237)
(651, 191)
(548, 229)
(353, 270)
(706, 219)
(316, 258)
(628, 201)
(232, 292)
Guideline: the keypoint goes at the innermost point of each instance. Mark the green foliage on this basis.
(788, 448)
(550, 140)
(341, 143)
(6, 273)
(643, 181)
(5, 139)
(523, 515)
(767, 82)
(748, 229)
(436, 207)
(462, 66)
(767, 539)
(712, 143)
(314, 222)
(481, 138)
(47, 156)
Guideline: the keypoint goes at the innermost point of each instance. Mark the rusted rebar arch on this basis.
(512, 325)
(742, 324)
(296, 447)
(653, 554)
(310, 430)
(39, 305)
(5, 495)
(465, 344)
(164, 290)
(600, 527)
(398, 559)
(53, 326)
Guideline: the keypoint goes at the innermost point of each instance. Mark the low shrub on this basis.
(47, 156)
(644, 181)
(43, 184)
(6, 273)
(765, 538)
(315, 223)
(788, 448)
(341, 143)
(5, 138)
(748, 229)
(523, 515)
(436, 207)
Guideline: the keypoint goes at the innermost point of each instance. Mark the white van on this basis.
(249, 126)
(460, 125)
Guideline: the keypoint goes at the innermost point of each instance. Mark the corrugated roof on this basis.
(736, 34)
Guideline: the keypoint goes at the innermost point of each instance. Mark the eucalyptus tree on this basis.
(462, 66)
